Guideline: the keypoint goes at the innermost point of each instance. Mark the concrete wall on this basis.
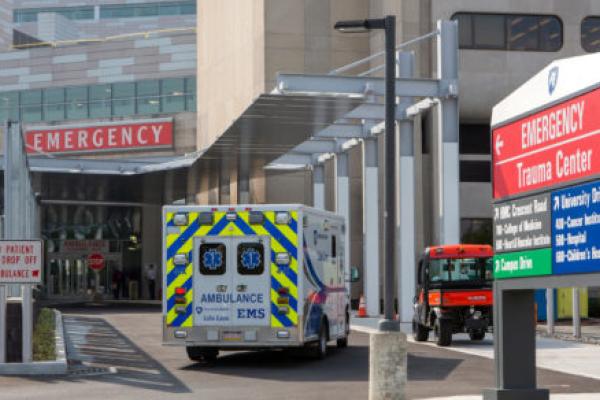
(230, 72)
(155, 57)
(5, 24)
(488, 76)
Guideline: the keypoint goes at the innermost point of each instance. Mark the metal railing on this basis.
(362, 61)
(124, 36)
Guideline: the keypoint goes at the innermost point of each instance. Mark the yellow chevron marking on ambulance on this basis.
(291, 315)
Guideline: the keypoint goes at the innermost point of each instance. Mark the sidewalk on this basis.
(569, 357)
(590, 331)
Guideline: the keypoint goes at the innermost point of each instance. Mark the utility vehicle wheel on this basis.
(477, 335)
(202, 354)
(420, 332)
(443, 333)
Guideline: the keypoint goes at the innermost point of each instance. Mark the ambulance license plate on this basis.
(232, 336)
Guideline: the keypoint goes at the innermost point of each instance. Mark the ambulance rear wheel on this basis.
(202, 354)
(320, 350)
(343, 342)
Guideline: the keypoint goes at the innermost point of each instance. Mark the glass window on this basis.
(476, 230)
(173, 95)
(213, 259)
(116, 11)
(509, 32)
(251, 260)
(488, 31)
(148, 100)
(100, 96)
(475, 171)
(31, 105)
(190, 92)
(590, 34)
(146, 10)
(54, 104)
(457, 269)
(75, 13)
(77, 102)
(188, 8)
(9, 106)
(465, 30)
(474, 139)
(551, 37)
(123, 95)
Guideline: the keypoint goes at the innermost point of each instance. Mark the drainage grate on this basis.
(83, 370)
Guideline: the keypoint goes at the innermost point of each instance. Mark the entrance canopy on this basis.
(274, 123)
(129, 166)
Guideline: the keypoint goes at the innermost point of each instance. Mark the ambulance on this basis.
(249, 277)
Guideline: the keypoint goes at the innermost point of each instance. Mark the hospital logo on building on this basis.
(552, 79)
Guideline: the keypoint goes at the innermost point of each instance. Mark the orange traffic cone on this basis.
(362, 307)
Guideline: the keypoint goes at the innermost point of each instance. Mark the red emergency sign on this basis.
(101, 137)
(557, 145)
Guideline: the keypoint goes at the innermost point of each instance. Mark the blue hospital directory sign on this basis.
(576, 229)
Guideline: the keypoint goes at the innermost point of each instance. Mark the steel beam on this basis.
(448, 223)
(343, 207)
(316, 147)
(371, 259)
(319, 186)
(357, 86)
(294, 159)
(405, 242)
(373, 111)
(341, 131)
(576, 314)
(550, 311)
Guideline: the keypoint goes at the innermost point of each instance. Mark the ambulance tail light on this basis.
(283, 291)
(283, 301)
(180, 299)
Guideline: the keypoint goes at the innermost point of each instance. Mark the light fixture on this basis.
(282, 218)
(180, 219)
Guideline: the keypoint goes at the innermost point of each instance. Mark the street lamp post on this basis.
(387, 355)
(388, 24)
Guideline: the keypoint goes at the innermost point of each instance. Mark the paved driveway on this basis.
(116, 353)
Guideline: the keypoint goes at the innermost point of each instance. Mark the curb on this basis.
(56, 367)
(569, 338)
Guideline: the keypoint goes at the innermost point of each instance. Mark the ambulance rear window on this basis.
(250, 259)
(212, 259)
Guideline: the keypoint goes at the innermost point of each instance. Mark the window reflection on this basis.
(590, 34)
(509, 32)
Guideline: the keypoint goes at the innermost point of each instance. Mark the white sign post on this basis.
(20, 263)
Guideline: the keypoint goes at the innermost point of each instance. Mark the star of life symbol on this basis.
(212, 259)
(552, 79)
(250, 259)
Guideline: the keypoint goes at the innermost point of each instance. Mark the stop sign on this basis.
(96, 261)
